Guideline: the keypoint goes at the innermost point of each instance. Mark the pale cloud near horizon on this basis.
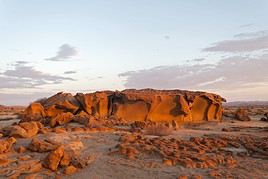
(65, 51)
(234, 72)
(26, 76)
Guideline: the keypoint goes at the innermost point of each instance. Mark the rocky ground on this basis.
(227, 149)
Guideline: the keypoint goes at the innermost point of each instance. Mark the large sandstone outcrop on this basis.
(166, 105)
(131, 105)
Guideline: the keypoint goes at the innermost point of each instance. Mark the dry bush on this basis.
(158, 130)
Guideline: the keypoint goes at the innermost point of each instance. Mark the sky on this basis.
(49, 46)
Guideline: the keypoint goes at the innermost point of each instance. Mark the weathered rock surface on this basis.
(60, 119)
(130, 105)
(38, 145)
(70, 170)
(96, 104)
(242, 115)
(23, 130)
(6, 144)
(61, 103)
(53, 159)
(33, 112)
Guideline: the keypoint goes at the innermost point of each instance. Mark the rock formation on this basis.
(5, 145)
(23, 129)
(129, 105)
(242, 115)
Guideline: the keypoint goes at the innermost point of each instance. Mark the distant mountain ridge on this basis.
(246, 103)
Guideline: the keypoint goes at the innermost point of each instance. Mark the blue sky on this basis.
(81, 46)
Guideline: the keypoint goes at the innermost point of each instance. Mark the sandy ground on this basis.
(108, 164)
(116, 166)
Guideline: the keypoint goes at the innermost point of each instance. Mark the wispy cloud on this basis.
(65, 51)
(252, 34)
(198, 60)
(25, 76)
(69, 72)
(246, 42)
(246, 25)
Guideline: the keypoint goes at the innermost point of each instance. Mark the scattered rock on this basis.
(4, 162)
(66, 159)
(21, 149)
(6, 144)
(242, 115)
(167, 162)
(82, 162)
(24, 157)
(53, 159)
(70, 170)
(226, 130)
(38, 145)
(196, 176)
(23, 130)
(33, 176)
(183, 177)
(59, 130)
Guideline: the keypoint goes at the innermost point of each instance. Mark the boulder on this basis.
(61, 103)
(60, 119)
(242, 115)
(53, 159)
(70, 170)
(38, 145)
(34, 112)
(82, 117)
(23, 130)
(6, 144)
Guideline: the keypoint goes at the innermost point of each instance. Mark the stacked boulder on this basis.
(128, 105)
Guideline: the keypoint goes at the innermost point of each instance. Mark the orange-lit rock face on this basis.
(162, 106)
(138, 105)
(61, 103)
(168, 108)
(36, 109)
(96, 104)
